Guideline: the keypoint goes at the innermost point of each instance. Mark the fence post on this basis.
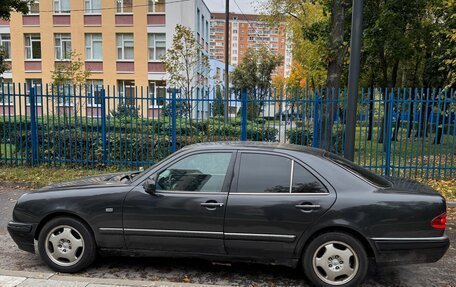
(316, 127)
(387, 140)
(173, 120)
(103, 125)
(33, 126)
(244, 103)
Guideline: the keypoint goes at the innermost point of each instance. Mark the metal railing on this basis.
(406, 132)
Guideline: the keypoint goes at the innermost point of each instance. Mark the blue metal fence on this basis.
(406, 132)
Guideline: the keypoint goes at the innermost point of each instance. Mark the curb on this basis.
(56, 279)
(451, 204)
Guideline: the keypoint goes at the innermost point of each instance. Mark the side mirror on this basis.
(150, 186)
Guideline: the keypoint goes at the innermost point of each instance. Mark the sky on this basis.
(247, 6)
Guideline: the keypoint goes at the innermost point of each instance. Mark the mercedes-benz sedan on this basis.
(266, 203)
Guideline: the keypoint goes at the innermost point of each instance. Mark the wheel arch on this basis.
(57, 214)
(368, 246)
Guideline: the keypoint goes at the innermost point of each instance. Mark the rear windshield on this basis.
(368, 175)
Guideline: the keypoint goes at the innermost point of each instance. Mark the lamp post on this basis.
(353, 77)
(227, 64)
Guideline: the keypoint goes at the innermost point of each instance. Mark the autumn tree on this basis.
(69, 78)
(185, 63)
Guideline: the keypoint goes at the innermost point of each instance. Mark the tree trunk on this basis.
(337, 52)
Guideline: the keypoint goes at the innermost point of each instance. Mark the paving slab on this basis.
(32, 282)
(11, 281)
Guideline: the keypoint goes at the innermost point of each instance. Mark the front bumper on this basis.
(22, 234)
(410, 250)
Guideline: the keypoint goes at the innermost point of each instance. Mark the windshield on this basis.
(368, 175)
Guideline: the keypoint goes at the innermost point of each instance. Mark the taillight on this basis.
(439, 222)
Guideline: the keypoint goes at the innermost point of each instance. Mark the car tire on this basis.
(66, 245)
(335, 259)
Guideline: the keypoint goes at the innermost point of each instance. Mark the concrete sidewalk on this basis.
(38, 279)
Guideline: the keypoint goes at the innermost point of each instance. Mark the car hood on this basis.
(409, 186)
(104, 179)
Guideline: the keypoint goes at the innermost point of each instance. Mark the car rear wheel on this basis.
(335, 259)
(66, 245)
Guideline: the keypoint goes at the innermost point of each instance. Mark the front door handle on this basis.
(307, 207)
(211, 204)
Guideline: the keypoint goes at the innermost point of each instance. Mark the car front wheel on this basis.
(66, 245)
(335, 259)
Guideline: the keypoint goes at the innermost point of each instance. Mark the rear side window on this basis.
(366, 174)
(305, 182)
(263, 173)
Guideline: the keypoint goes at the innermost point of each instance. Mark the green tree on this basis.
(255, 71)
(254, 74)
(185, 63)
(8, 6)
(3, 65)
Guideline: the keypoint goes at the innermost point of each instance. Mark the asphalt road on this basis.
(442, 273)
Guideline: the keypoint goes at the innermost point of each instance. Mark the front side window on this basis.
(61, 6)
(62, 46)
(94, 46)
(156, 6)
(125, 46)
(92, 6)
(124, 6)
(199, 173)
(32, 47)
(5, 46)
(157, 46)
(264, 173)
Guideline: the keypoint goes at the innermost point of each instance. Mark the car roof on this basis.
(255, 145)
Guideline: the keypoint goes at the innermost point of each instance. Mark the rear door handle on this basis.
(307, 208)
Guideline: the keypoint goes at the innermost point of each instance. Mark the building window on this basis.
(61, 6)
(124, 6)
(198, 22)
(62, 46)
(156, 6)
(157, 93)
(36, 84)
(125, 46)
(157, 46)
(34, 7)
(6, 88)
(64, 94)
(32, 47)
(94, 47)
(92, 6)
(5, 46)
(93, 90)
(126, 89)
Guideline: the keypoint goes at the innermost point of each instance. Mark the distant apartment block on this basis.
(249, 31)
(120, 41)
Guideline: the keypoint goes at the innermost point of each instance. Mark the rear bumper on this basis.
(22, 234)
(410, 250)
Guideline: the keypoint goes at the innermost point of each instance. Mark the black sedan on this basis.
(267, 203)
